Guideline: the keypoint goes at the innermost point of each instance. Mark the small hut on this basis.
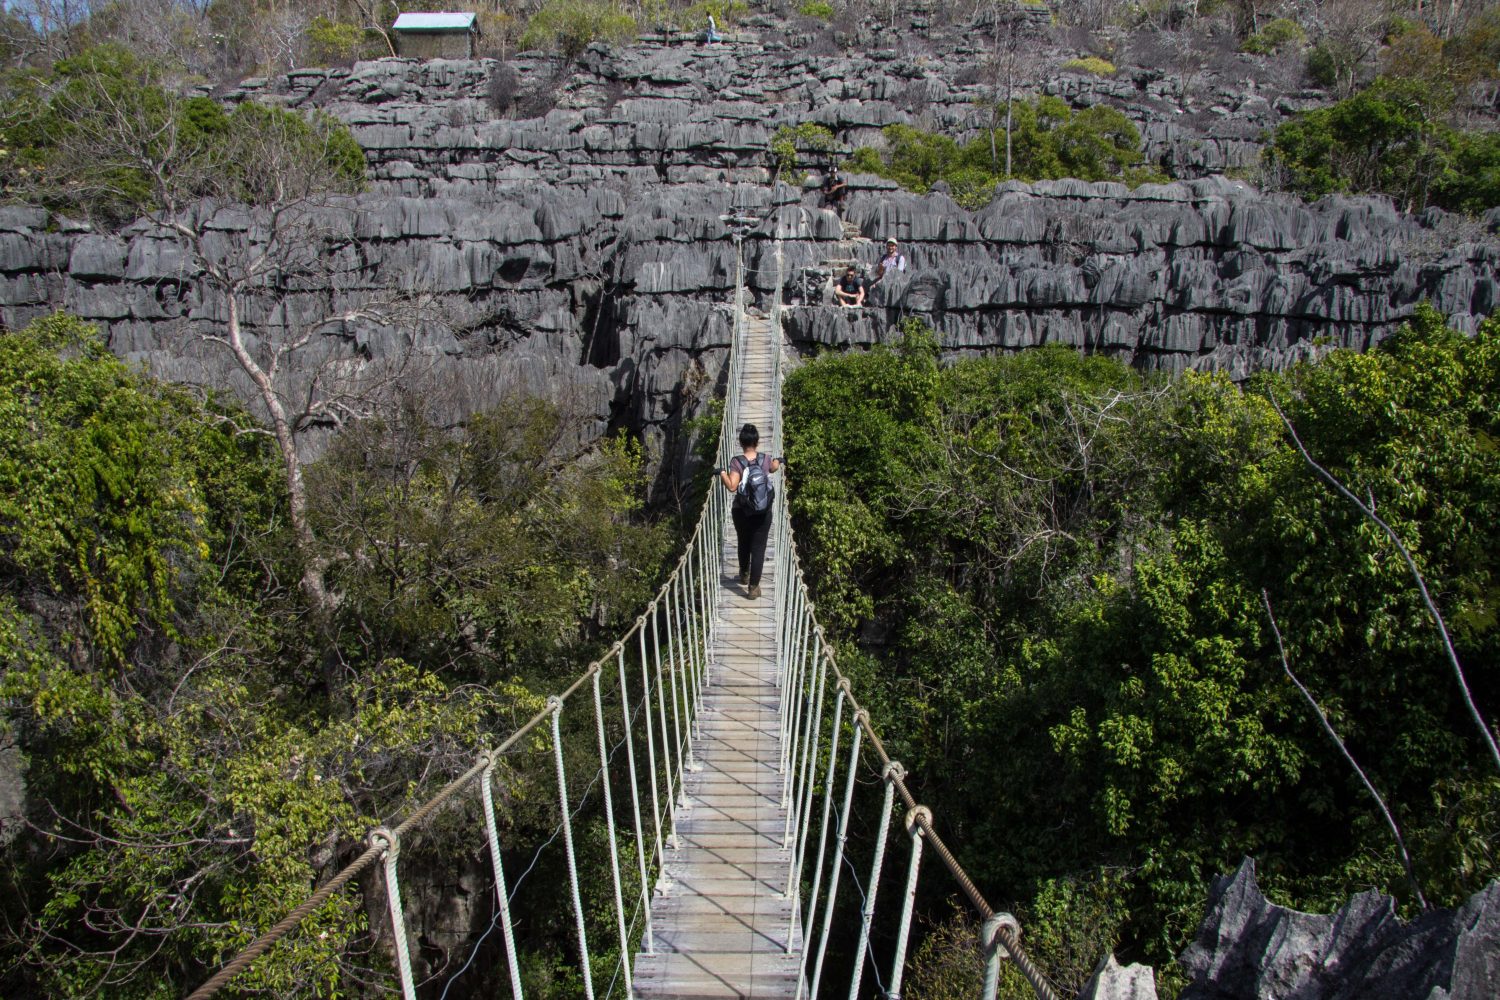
(436, 36)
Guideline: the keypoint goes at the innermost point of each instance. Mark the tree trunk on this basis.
(314, 587)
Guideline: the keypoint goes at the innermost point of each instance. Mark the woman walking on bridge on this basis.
(749, 479)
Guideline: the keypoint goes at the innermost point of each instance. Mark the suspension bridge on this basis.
(734, 744)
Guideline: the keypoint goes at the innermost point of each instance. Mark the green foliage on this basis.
(695, 16)
(183, 739)
(99, 134)
(1092, 65)
(820, 9)
(570, 26)
(334, 41)
(791, 141)
(1049, 140)
(1281, 33)
(498, 538)
(1054, 573)
(1390, 139)
(110, 482)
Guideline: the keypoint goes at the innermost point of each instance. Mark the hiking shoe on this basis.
(755, 593)
(744, 578)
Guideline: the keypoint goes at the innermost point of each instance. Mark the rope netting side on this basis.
(671, 642)
(800, 635)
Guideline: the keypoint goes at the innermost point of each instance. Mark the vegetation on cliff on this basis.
(1048, 140)
(1052, 570)
(99, 134)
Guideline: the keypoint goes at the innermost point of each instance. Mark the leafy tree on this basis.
(484, 550)
(570, 26)
(791, 141)
(101, 135)
(1390, 138)
(1046, 140)
(191, 774)
(1051, 573)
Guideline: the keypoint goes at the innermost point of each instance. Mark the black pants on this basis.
(752, 530)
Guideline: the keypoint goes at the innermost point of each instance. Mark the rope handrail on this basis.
(1000, 930)
(685, 585)
(682, 627)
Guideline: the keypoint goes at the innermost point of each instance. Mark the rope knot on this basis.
(1003, 929)
(846, 687)
(490, 759)
(554, 704)
(916, 819)
(384, 837)
(893, 771)
(862, 718)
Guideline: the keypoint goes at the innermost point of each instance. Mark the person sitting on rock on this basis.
(834, 189)
(892, 261)
(850, 289)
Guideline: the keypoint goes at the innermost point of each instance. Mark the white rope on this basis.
(650, 743)
(792, 729)
(809, 763)
(800, 741)
(843, 840)
(386, 836)
(898, 963)
(995, 950)
(486, 789)
(833, 752)
(635, 802)
(892, 770)
(685, 731)
(556, 705)
(609, 822)
(666, 737)
(676, 698)
(793, 698)
(695, 636)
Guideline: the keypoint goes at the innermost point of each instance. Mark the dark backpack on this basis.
(756, 492)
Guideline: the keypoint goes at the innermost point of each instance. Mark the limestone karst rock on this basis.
(1248, 947)
(567, 239)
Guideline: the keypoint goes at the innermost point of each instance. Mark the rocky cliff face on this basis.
(1249, 947)
(580, 252)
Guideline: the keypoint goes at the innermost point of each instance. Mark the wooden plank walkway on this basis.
(719, 910)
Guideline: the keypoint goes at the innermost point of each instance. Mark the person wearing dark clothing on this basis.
(850, 289)
(751, 528)
(834, 189)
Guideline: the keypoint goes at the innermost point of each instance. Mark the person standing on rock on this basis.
(749, 479)
(892, 261)
(834, 189)
(711, 36)
(850, 289)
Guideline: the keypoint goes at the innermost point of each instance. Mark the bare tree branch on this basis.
(1437, 616)
(1343, 749)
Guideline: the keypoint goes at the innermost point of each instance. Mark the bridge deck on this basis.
(719, 911)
